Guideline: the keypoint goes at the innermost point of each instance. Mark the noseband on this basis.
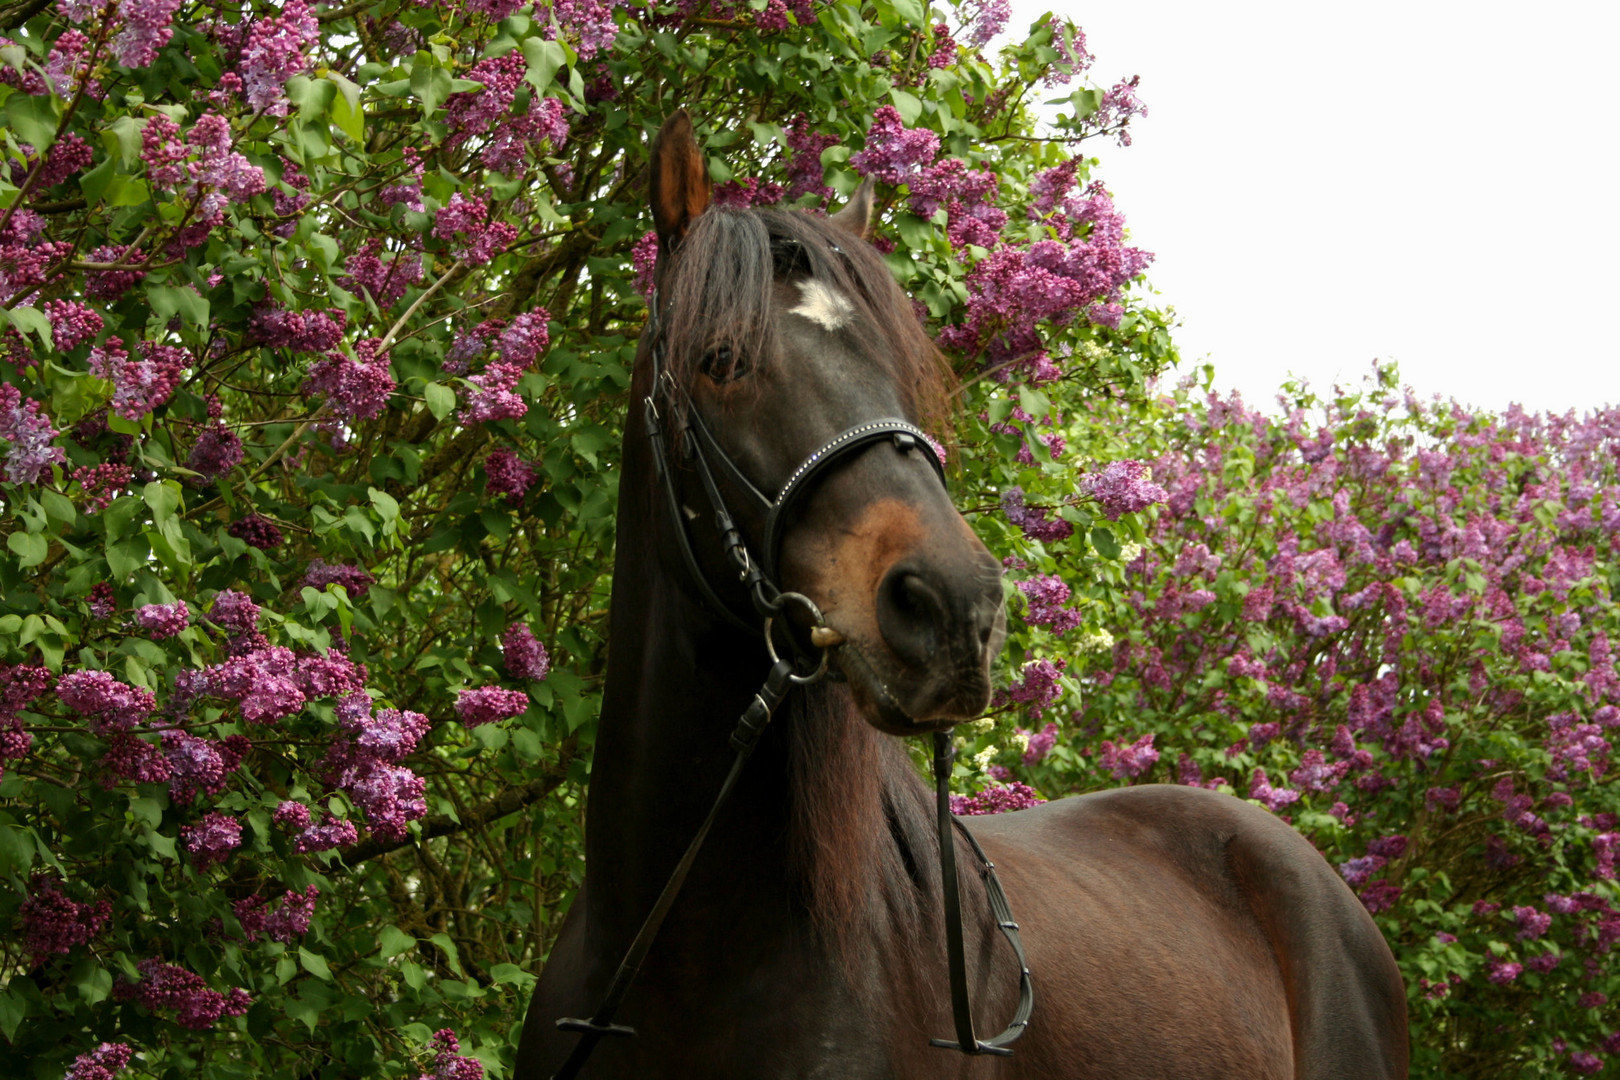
(770, 602)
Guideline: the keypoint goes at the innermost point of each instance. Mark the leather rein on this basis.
(771, 603)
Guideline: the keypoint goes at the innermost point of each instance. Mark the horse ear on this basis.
(679, 184)
(856, 216)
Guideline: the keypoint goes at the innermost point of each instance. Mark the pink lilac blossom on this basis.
(489, 705)
(287, 922)
(166, 987)
(1501, 972)
(68, 67)
(147, 27)
(103, 602)
(70, 154)
(1118, 108)
(72, 323)
(110, 704)
(509, 474)
(1040, 744)
(492, 397)
(448, 1062)
(384, 280)
(355, 389)
(1123, 487)
(255, 531)
(523, 655)
(804, 168)
(522, 136)
(1046, 594)
(297, 331)
(162, 620)
(110, 285)
(354, 579)
(1031, 519)
(965, 195)
(1273, 798)
(329, 835)
(273, 53)
(139, 386)
(893, 154)
(29, 431)
(999, 799)
(643, 259)
(216, 452)
(464, 224)
(291, 814)
(1037, 687)
(235, 611)
(103, 1063)
(591, 22)
(1127, 761)
(212, 838)
(53, 924)
(525, 338)
(199, 765)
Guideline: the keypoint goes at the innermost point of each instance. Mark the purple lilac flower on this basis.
(217, 451)
(29, 431)
(297, 331)
(986, 19)
(162, 620)
(448, 1062)
(1032, 520)
(273, 53)
(1274, 798)
(525, 338)
(53, 924)
(235, 611)
(1037, 687)
(643, 258)
(139, 386)
(523, 655)
(111, 705)
(103, 1063)
(1501, 972)
(212, 838)
(804, 168)
(166, 987)
(354, 579)
(1128, 760)
(1046, 594)
(490, 704)
(329, 835)
(999, 799)
(256, 532)
(148, 26)
(72, 323)
(1122, 487)
(1040, 744)
(354, 389)
(509, 474)
(893, 154)
(199, 765)
(384, 280)
(464, 224)
(291, 815)
(287, 923)
(110, 285)
(493, 397)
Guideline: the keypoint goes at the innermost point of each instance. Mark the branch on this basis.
(507, 802)
(14, 15)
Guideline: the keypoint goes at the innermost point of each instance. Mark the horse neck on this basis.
(827, 813)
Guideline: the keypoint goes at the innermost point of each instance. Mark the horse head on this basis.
(783, 337)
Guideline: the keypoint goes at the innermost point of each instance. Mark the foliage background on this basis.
(374, 277)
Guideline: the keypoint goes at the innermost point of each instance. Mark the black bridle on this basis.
(770, 603)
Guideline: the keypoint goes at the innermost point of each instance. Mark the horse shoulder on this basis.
(1163, 843)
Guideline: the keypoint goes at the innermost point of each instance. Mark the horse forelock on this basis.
(720, 292)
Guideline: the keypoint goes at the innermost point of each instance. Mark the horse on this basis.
(1171, 931)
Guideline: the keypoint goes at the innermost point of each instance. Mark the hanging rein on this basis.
(771, 603)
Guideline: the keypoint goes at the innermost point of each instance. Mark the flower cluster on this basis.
(170, 988)
(523, 655)
(996, 799)
(54, 925)
(490, 704)
(509, 474)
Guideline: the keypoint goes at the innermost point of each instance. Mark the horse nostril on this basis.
(911, 615)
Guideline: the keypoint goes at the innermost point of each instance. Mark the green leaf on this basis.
(543, 59)
(347, 112)
(394, 941)
(16, 850)
(32, 320)
(441, 400)
(34, 119)
(31, 548)
(1103, 539)
(58, 507)
(385, 503)
(314, 963)
(909, 106)
(125, 557)
(186, 302)
(163, 496)
(429, 82)
(13, 1007)
(452, 956)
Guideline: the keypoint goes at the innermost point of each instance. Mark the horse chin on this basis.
(888, 711)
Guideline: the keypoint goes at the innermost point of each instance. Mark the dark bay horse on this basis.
(1172, 932)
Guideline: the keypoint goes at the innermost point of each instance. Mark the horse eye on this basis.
(722, 365)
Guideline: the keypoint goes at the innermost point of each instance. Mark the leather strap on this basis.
(961, 1007)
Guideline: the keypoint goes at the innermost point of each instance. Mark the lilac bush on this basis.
(1389, 621)
(316, 322)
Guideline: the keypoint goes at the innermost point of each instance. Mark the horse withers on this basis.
(1172, 932)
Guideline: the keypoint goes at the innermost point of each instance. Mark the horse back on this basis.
(1177, 932)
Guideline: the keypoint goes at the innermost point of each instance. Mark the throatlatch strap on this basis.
(961, 1007)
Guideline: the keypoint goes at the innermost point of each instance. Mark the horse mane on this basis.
(724, 296)
(860, 840)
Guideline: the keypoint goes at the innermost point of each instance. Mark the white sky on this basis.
(1427, 182)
